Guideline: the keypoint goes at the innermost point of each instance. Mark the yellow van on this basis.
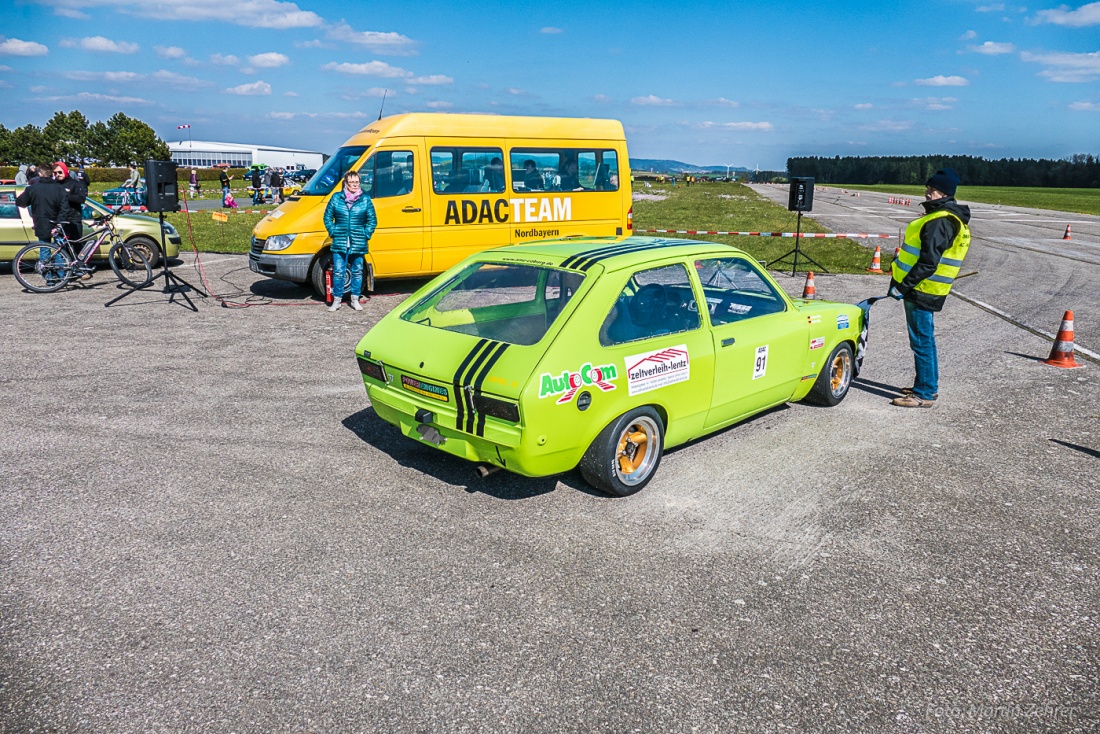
(446, 186)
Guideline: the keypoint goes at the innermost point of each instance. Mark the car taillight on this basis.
(371, 369)
(497, 408)
(630, 218)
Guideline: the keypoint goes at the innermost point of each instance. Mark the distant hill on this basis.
(667, 166)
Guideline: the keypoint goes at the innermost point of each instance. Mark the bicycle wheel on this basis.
(130, 265)
(42, 274)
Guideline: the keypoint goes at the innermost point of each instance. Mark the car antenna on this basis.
(384, 92)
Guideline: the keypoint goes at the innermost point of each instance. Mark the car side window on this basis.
(736, 290)
(8, 209)
(654, 302)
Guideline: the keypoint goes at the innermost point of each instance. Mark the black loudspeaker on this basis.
(161, 186)
(802, 195)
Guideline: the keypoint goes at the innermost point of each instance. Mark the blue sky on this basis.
(741, 83)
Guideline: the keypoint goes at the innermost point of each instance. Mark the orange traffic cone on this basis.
(1066, 235)
(809, 292)
(1061, 355)
(876, 262)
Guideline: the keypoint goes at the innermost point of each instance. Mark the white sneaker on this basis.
(335, 306)
(355, 303)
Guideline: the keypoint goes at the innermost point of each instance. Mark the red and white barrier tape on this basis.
(805, 235)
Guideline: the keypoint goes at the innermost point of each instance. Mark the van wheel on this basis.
(834, 379)
(149, 249)
(320, 265)
(625, 456)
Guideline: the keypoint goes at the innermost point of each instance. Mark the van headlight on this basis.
(279, 242)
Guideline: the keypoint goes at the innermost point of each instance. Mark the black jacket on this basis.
(76, 193)
(935, 237)
(48, 200)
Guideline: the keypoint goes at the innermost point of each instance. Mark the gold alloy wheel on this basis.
(840, 372)
(637, 451)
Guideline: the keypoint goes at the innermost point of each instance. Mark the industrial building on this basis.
(205, 153)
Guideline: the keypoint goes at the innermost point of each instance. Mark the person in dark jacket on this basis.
(350, 221)
(76, 193)
(928, 263)
(257, 182)
(277, 186)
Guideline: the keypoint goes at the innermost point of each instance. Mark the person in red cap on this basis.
(72, 212)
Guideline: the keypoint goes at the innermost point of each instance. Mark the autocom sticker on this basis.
(817, 342)
(760, 366)
(653, 370)
(568, 383)
(427, 389)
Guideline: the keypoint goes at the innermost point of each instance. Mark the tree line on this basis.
(1077, 171)
(69, 136)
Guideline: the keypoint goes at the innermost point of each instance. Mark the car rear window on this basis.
(516, 304)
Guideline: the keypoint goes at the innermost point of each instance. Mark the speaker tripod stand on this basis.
(798, 251)
(173, 284)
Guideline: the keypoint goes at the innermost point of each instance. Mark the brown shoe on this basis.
(912, 401)
(909, 391)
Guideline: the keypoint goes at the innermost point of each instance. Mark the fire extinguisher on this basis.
(328, 286)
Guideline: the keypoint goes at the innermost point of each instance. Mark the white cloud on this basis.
(994, 8)
(888, 126)
(601, 98)
(220, 60)
(652, 100)
(1085, 106)
(104, 76)
(5, 67)
(550, 30)
(385, 43)
(1085, 15)
(99, 44)
(516, 91)
(370, 68)
(291, 94)
(270, 60)
(90, 97)
(943, 81)
(432, 80)
(252, 13)
(969, 35)
(864, 106)
(1066, 67)
(751, 126)
(989, 48)
(179, 80)
(318, 115)
(936, 103)
(170, 52)
(16, 47)
(438, 105)
(255, 89)
(71, 13)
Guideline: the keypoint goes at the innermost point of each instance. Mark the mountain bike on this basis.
(45, 268)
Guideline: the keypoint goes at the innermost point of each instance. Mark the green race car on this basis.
(600, 353)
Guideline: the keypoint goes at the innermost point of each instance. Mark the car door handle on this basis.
(411, 209)
(728, 342)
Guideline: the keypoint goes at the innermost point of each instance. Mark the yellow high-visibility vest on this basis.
(939, 283)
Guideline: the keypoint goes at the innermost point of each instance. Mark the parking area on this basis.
(204, 527)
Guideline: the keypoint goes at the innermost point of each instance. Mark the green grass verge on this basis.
(1079, 201)
(212, 236)
(734, 207)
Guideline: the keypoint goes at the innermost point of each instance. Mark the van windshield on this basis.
(328, 175)
(516, 304)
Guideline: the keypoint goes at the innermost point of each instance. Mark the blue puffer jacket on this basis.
(350, 229)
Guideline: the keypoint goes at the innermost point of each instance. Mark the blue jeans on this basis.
(353, 265)
(922, 340)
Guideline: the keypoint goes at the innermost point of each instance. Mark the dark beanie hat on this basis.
(944, 180)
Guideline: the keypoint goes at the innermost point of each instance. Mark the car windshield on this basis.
(516, 304)
(326, 178)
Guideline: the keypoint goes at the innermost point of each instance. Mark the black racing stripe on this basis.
(625, 247)
(575, 261)
(467, 378)
(457, 381)
(626, 251)
(481, 379)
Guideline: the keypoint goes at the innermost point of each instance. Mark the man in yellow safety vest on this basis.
(927, 265)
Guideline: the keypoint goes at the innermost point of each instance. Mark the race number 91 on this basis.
(760, 367)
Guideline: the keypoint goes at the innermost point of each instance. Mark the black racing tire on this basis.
(148, 247)
(625, 455)
(47, 277)
(130, 265)
(835, 378)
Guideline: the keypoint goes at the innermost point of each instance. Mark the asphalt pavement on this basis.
(205, 528)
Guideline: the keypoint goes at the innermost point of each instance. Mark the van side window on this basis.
(654, 302)
(564, 169)
(388, 173)
(467, 170)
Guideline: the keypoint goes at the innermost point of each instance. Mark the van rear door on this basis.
(394, 178)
